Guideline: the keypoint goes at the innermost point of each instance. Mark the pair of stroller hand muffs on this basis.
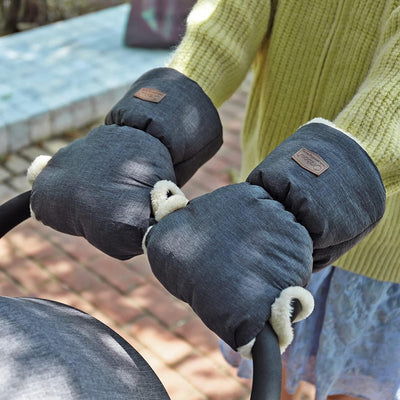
(224, 253)
(234, 255)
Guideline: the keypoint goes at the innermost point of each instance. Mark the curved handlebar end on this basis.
(14, 211)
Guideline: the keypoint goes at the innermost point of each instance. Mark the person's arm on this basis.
(177, 104)
(220, 43)
(373, 115)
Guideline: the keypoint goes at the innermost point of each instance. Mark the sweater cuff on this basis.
(324, 121)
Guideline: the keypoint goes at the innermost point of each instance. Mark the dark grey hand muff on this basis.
(99, 187)
(329, 183)
(232, 255)
(173, 108)
(241, 254)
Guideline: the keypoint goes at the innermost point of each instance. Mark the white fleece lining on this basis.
(332, 125)
(162, 203)
(32, 213)
(281, 311)
(36, 168)
(245, 351)
(144, 240)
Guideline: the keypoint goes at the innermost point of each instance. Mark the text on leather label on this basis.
(149, 94)
(310, 161)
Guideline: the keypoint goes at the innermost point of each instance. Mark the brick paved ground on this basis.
(37, 261)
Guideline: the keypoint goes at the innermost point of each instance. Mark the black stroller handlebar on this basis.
(267, 376)
(14, 211)
(267, 366)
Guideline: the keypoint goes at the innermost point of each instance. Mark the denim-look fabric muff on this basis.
(339, 207)
(229, 254)
(185, 120)
(99, 187)
(52, 351)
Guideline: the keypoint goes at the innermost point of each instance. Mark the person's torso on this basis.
(313, 61)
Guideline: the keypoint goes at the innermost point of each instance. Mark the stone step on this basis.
(65, 75)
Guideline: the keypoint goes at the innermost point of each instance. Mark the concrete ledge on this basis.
(66, 75)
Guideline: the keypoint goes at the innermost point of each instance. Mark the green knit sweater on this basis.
(336, 59)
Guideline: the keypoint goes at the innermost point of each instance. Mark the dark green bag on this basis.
(157, 23)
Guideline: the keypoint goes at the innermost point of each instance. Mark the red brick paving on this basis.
(208, 378)
(37, 261)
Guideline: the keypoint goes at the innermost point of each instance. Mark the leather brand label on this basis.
(149, 94)
(310, 161)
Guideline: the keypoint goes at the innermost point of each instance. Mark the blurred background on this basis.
(20, 15)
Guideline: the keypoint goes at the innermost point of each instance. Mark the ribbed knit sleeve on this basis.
(220, 44)
(373, 115)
